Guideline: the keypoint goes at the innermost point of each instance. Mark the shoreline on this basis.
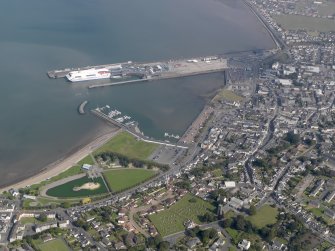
(71, 158)
(64, 163)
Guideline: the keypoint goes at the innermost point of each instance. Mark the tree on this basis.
(184, 185)
(239, 222)
(204, 236)
(164, 245)
(213, 234)
(260, 163)
(65, 204)
(264, 232)
(42, 217)
(193, 232)
(227, 222)
(252, 210)
(158, 239)
(207, 217)
(214, 194)
(292, 138)
(292, 226)
(150, 242)
(248, 227)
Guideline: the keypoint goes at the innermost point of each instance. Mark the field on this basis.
(54, 245)
(172, 219)
(229, 96)
(126, 144)
(264, 216)
(121, 179)
(66, 190)
(295, 22)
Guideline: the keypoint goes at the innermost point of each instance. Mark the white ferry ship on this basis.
(90, 74)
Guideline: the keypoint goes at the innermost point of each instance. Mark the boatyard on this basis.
(131, 72)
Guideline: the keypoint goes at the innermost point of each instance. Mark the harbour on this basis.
(36, 41)
(130, 72)
(131, 127)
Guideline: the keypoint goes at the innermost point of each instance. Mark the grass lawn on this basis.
(229, 214)
(296, 22)
(54, 245)
(121, 179)
(66, 190)
(234, 234)
(31, 220)
(319, 212)
(229, 96)
(69, 172)
(217, 172)
(238, 236)
(126, 144)
(172, 219)
(325, 245)
(87, 160)
(264, 216)
(26, 203)
(281, 240)
(316, 211)
(44, 201)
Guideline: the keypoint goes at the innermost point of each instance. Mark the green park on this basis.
(121, 179)
(126, 144)
(81, 187)
(54, 245)
(172, 219)
(117, 180)
(266, 215)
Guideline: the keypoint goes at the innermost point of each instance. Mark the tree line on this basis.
(125, 161)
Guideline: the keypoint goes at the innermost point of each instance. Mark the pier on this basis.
(138, 135)
(130, 72)
(81, 108)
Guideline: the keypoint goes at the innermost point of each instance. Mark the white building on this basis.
(229, 184)
(235, 203)
(86, 167)
(244, 244)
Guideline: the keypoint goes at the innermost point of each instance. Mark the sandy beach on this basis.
(61, 165)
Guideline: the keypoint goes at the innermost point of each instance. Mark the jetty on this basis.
(81, 108)
(132, 72)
